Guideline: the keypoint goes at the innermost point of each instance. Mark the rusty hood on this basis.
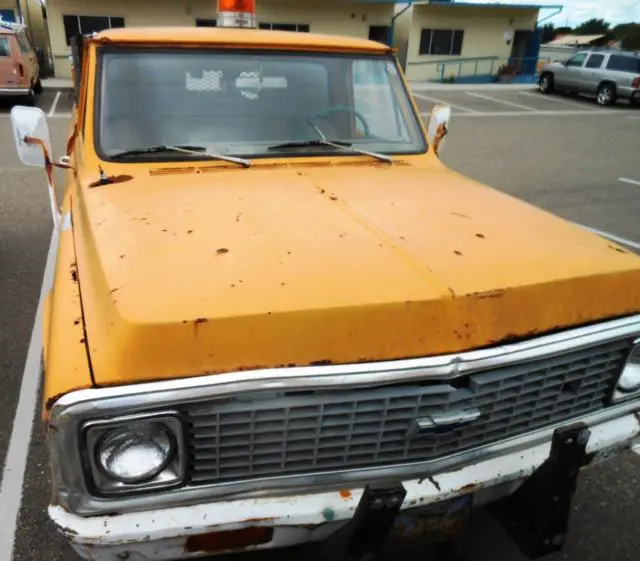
(195, 273)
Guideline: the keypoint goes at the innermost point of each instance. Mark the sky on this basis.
(577, 11)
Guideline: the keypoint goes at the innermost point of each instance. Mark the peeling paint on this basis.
(328, 514)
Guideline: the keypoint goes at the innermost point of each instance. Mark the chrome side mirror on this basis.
(31, 135)
(438, 126)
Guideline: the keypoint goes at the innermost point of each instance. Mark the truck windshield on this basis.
(251, 104)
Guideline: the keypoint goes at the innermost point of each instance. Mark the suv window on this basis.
(595, 61)
(624, 63)
(25, 47)
(4, 47)
(577, 60)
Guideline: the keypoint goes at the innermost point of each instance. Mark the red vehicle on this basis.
(19, 68)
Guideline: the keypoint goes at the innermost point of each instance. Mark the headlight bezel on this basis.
(171, 474)
(621, 394)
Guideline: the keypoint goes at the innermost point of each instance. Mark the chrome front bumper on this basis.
(165, 534)
(10, 92)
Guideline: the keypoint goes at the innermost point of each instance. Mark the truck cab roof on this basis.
(238, 37)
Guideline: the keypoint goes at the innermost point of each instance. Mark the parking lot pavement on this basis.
(578, 165)
(515, 102)
(56, 104)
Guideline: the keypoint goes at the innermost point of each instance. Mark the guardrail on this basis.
(482, 68)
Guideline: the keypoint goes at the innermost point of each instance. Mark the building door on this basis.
(519, 49)
(379, 33)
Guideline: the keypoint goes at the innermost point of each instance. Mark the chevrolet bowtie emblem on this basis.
(442, 423)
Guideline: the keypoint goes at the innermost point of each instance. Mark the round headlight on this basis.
(630, 379)
(137, 454)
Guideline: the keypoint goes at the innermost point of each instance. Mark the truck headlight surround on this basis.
(629, 381)
(134, 453)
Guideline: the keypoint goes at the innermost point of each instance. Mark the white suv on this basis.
(609, 75)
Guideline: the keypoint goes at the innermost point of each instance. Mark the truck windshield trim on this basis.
(236, 103)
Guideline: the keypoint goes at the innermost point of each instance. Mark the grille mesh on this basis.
(296, 432)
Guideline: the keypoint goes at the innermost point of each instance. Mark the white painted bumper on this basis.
(163, 534)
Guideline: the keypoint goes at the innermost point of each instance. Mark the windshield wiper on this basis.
(324, 141)
(185, 149)
(333, 144)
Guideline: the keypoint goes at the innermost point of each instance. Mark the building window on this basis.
(7, 16)
(441, 41)
(206, 23)
(301, 27)
(89, 24)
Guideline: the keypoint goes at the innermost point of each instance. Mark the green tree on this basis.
(629, 34)
(593, 26)
(563, 31)
(548, 33)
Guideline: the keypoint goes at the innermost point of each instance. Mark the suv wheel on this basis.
(546, 84)
(606, 94)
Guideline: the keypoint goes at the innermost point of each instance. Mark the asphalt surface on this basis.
(566, 156)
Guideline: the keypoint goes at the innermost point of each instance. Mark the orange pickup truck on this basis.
(274, 317)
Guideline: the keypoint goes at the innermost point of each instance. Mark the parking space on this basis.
(523, 101)
(56, 104)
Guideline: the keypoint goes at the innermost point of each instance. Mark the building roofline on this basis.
(453, 4)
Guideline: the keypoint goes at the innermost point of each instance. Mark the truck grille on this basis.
(266, 435)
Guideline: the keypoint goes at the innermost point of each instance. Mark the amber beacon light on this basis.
(237, 13)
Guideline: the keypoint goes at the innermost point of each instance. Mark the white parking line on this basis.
(52, 111)
(489, 98)
(612, 237)
(20, 439)
(435, 100)
(543, 113)
(629, 181)
(553, 99)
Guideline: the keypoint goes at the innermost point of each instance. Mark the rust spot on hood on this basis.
(111, 180)
(323, 362)
(346, 494)
(490, 294)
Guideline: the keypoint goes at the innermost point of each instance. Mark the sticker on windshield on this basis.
(211, 81)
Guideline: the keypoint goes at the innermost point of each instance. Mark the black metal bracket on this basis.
(536, 516)
(363, 537)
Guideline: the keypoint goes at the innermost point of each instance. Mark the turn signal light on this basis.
(236, 13)
(636, 83)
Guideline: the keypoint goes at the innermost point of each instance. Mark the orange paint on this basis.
(345, 494)
(393, 268)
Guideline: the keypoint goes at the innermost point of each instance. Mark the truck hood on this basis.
(185, 274)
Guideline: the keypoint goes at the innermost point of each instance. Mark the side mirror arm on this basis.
(48, 166)
(440, 134)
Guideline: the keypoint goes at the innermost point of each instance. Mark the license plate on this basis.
(434, 523)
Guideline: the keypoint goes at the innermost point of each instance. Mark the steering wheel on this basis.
(338, 109)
